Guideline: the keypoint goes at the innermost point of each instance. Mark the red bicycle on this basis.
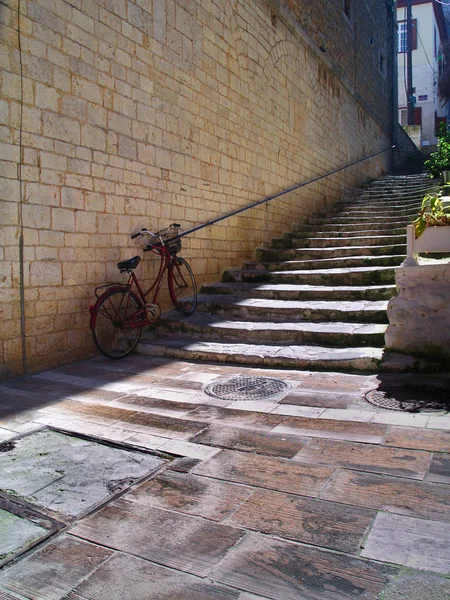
(121, 312)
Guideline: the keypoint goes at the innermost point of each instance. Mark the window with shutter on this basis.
(403, 36)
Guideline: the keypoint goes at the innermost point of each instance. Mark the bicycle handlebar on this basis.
(144, 230)
(162, 239)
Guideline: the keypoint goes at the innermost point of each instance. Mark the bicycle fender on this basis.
(113, 287)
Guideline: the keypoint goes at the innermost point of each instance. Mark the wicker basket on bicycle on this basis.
(169, 238)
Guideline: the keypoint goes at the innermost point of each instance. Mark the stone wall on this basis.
(116, 115)
(405, 149)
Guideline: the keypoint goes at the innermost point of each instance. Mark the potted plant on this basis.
(430, 232)
(435, 211)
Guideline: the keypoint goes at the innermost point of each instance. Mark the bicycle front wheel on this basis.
(182, 286)
(112, 334)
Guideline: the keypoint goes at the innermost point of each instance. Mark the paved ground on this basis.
(316, 496)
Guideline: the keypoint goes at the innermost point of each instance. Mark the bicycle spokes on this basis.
(182, 287)
(114, 334)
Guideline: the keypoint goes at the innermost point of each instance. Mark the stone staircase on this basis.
(316, 299)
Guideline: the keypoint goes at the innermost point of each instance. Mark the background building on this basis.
(429, 34)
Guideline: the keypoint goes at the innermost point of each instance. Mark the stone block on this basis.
(5, 274)
(11, 86)
(419, 316)
(87, 89)
(72, 198)
(74, 273)
(36, 217)
(119, 123)
(79, 181)
(61, 128)
(63, 219)
(42, 195)
(45, 273)
(46, 97)
(61, 79)
(4, 112)
(9, 191)
(139, 18)
(37, 68)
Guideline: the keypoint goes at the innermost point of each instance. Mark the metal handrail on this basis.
(291, 189)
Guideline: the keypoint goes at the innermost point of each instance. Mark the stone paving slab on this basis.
(236, 418)
(54, 570)
(322, 399)
(285, 571)
(128, 577)
(18, 532)
(416, 586)
(393, 494)
(162, 425)
(325, 524)
(95, 413)
(191, 494)
(274, 485)
(410, 542)
(333, 429)
(155, 405)
(250, 441)
(8, 596)
(67, 475)
(422, 439)
(267, 472)
(440, 469)
(184, 542)
(364, 457)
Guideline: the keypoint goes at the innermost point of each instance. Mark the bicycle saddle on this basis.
(129, 265)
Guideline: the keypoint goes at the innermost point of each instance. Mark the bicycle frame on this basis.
(165, 260)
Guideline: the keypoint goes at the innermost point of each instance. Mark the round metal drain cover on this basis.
(410, 399)
(247, 388)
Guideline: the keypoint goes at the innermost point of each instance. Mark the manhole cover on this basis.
(248, 388)
(410, 400)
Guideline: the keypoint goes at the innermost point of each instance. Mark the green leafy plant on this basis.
(434, 212)
(440, 160)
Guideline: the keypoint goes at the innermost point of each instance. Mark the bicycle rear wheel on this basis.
(182, 286)
(111, 334)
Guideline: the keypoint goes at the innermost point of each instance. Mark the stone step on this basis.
(403, 220)
(316, 299)
(301, 292)
(357, 212)
(292, 356)
(340, 241)
(269, 255)
(398, 192)
(381, 202)
(340, 231)
(392, 202)
(253, 309)
(352, 229)
(329, 262)
(392, 188)
(207, 326)
(355, 276)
